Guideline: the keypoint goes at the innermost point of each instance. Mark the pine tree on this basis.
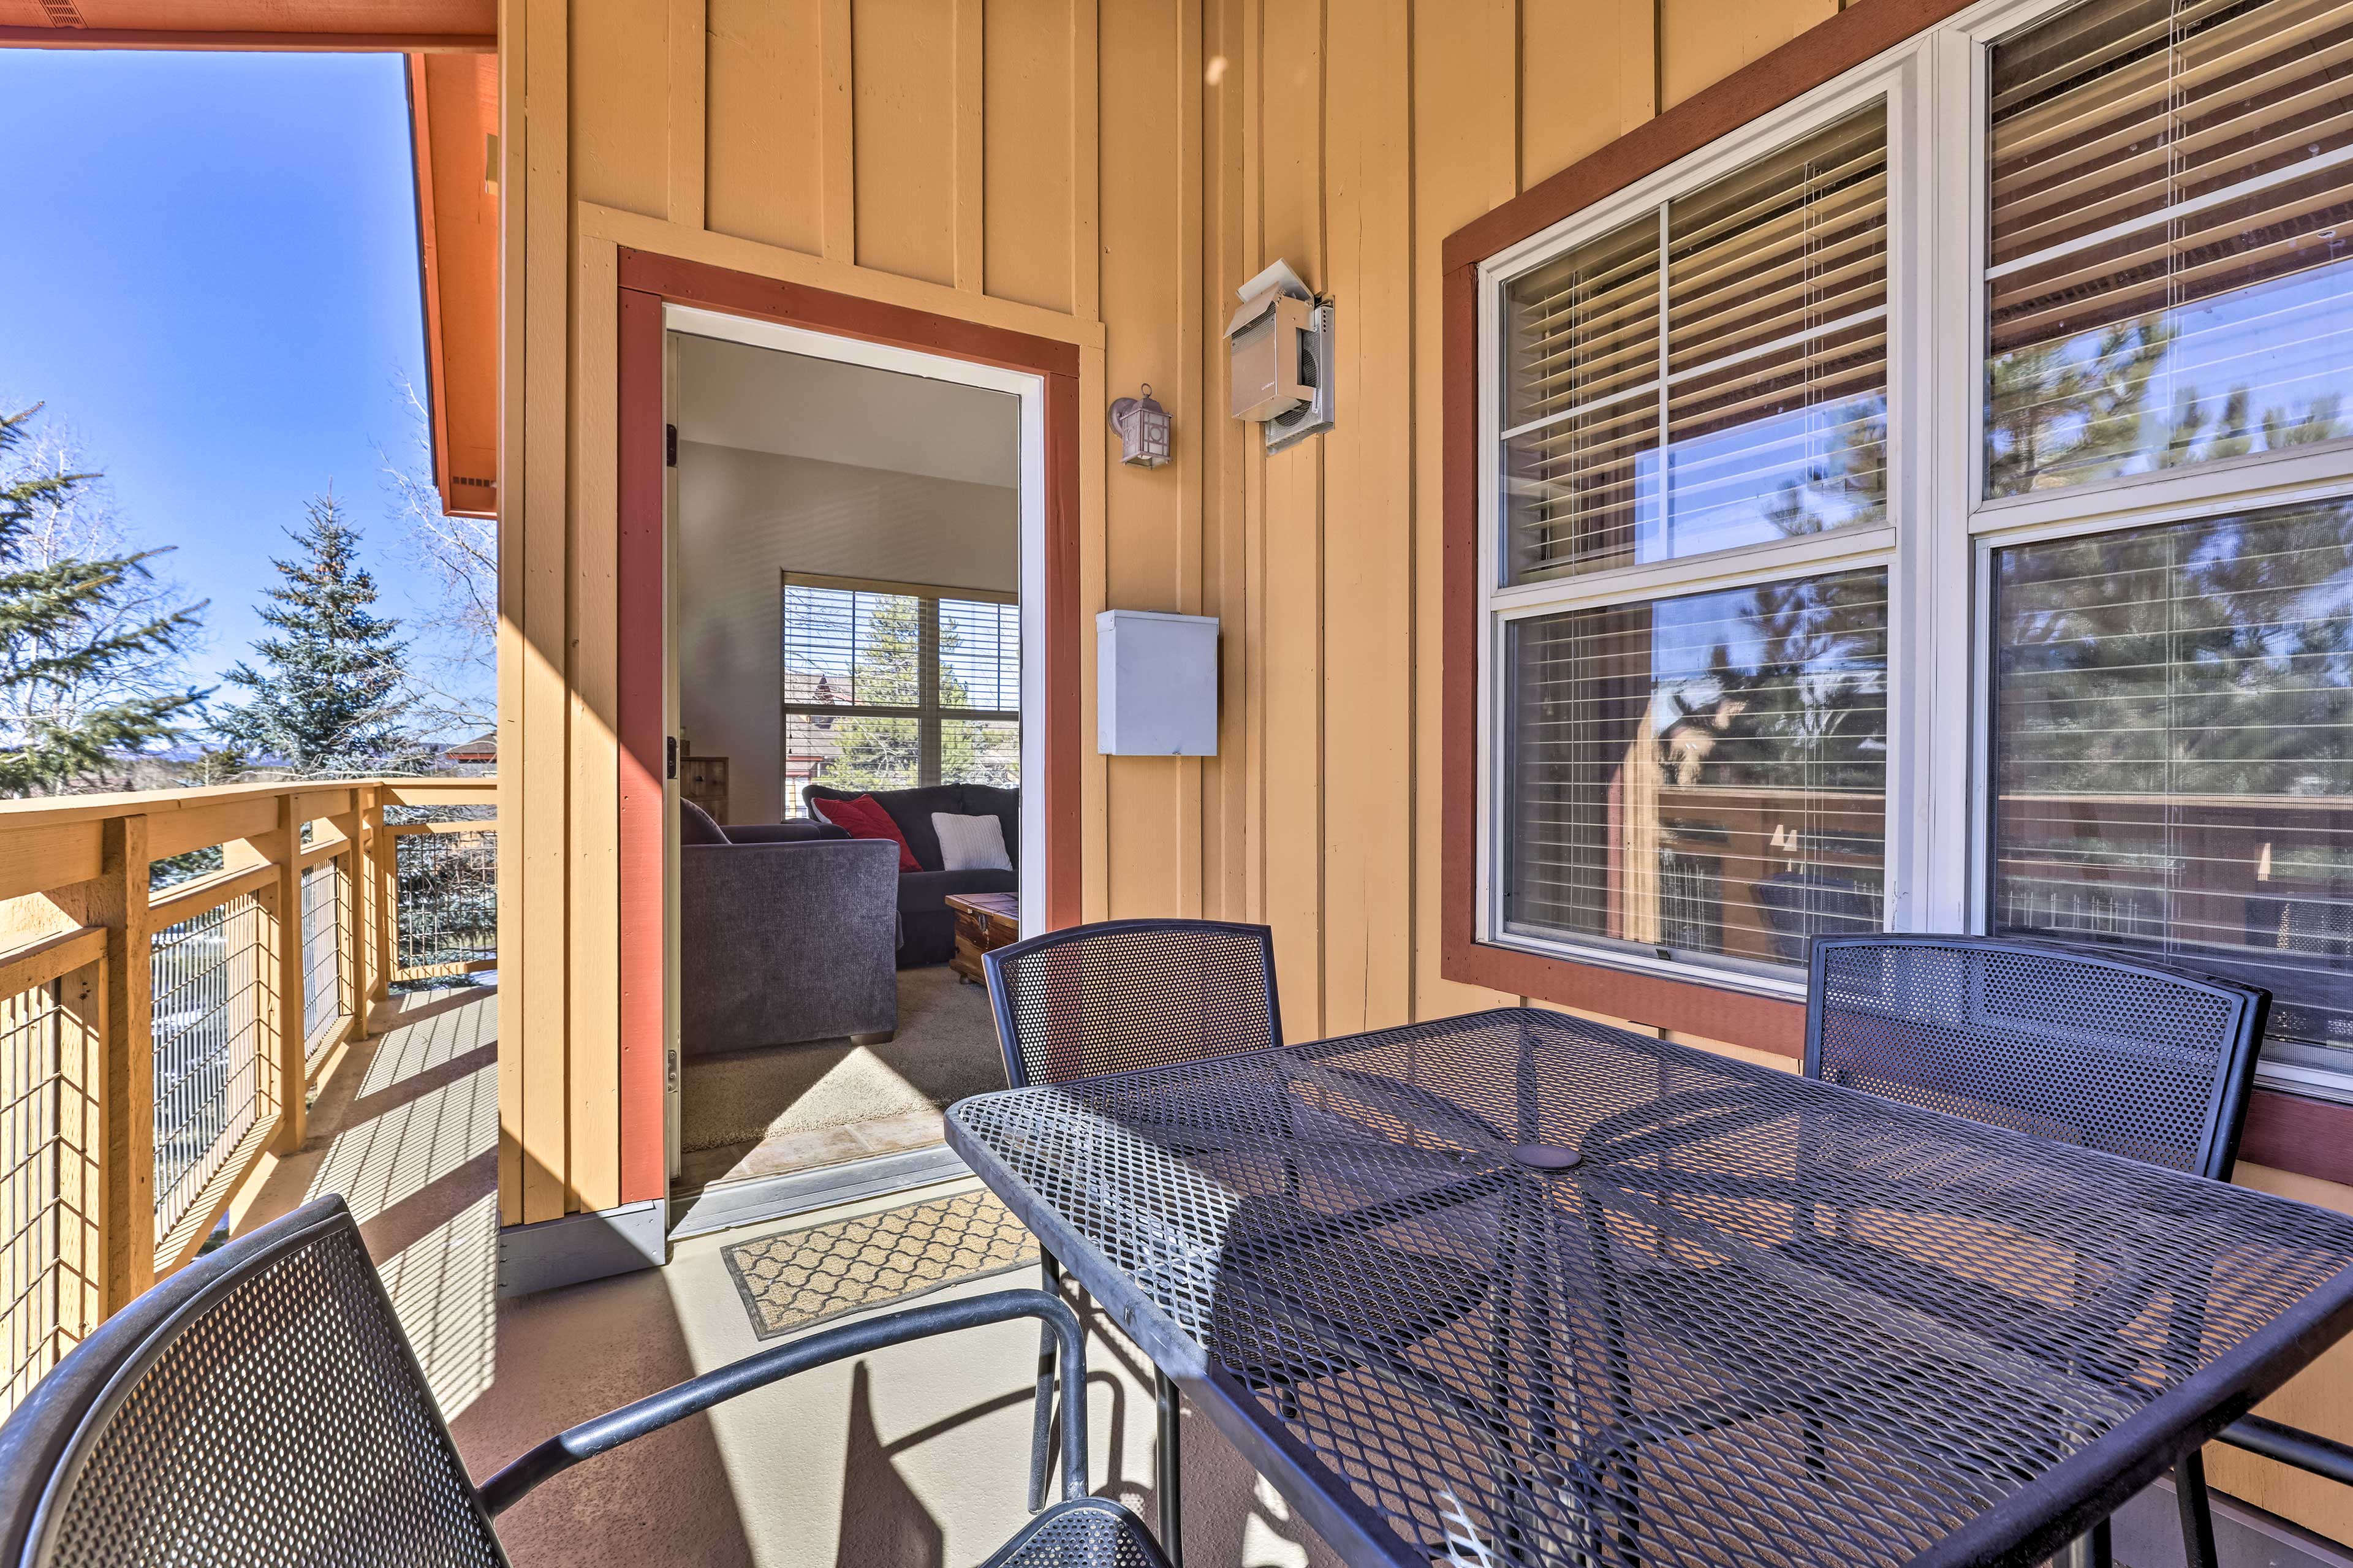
(332, 690)
(63, 631)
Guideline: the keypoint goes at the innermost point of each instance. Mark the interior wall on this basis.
(1103, 175)
(744, 517)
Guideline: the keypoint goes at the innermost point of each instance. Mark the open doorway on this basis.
(855, 552)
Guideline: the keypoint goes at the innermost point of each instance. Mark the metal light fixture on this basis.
(1143, 426)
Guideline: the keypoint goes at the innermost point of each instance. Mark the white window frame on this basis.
(1835, 549)
(1938, 543)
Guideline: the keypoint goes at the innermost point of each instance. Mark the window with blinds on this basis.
(1710, 376)
(2171, 709)
(888, 686)
(2167, 267)
(1700, 778)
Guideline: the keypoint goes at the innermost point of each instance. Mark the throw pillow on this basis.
(865, 818)
(696, 826)
(971, 842)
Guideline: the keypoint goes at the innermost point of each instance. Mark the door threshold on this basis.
(723, 1206)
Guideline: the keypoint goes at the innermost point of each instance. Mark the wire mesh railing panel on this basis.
(213, 975)
(448, 910)
(32, 1333)
(324, 1004)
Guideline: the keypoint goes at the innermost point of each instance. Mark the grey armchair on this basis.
(780, 942)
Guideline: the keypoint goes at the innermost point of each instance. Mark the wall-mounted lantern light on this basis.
(1143, 426)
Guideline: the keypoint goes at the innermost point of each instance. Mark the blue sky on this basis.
(210, 271)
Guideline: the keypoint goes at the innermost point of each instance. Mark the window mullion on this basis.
(927, 690)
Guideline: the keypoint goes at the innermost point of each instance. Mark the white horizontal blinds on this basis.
(1747, 322)
(1703, 776)
(2168, 276)
(1776, 344)
(851, 647)
(1580, 402)
(980, 654)
(2173, 723)
(868, 675)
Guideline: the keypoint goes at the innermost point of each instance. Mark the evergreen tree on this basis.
(332, 690)
(63, 631)
(875, 752)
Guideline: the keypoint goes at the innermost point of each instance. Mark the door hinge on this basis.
(669, 445)
(670, 754)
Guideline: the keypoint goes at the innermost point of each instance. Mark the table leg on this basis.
(2093, 1549)
(2196, 1512)
(1168, 1458)
(1041, 1419)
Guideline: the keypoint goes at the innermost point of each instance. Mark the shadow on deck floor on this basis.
(914, 1458)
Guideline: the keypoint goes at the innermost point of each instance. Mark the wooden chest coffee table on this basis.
(983, 921)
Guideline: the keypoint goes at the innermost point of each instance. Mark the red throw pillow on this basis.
(865, 818)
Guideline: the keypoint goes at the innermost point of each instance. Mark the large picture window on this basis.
(890, 685)
(1930, 508)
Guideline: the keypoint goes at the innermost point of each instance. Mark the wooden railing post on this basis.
(350, 921)
(382, 893)
(283, 988)
(117, 900)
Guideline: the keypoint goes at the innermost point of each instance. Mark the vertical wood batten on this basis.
(542, 1014)
(592, 1079)
(836, 136)
(514, 40)
(687, 119)
(968, 115)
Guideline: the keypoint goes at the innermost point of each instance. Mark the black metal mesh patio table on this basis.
(1519, 1287)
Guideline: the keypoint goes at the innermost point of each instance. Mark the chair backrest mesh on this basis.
(1123, 995)
(279, 1417)
(2110, 1055)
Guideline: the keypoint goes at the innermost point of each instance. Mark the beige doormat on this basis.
(797, 1278)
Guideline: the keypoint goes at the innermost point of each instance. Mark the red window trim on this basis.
(2311, 1137)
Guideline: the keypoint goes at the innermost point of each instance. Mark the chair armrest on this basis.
(698, 1394)
(2290, 1446)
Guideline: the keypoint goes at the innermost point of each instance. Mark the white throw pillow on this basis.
(971, 842)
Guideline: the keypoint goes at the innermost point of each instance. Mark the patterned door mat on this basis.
(797, 1278)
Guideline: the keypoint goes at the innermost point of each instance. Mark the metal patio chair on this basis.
(1112, 997)
(263, 1406)
(2131, 1058)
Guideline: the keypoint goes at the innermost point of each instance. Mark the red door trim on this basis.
(647, 282)
(640, 635)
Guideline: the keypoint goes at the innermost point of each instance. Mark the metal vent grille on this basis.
(1133, 994)
(286, 1423)
(2066, 1049)
(1760, 1321)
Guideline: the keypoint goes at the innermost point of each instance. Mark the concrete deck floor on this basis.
(914, 1458)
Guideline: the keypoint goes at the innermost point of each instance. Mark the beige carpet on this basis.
(796, 1278)
(946, 1049)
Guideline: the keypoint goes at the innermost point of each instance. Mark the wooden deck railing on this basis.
(157, 1041)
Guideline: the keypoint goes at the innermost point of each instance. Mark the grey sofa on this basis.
(926, 924)
(787, 939)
